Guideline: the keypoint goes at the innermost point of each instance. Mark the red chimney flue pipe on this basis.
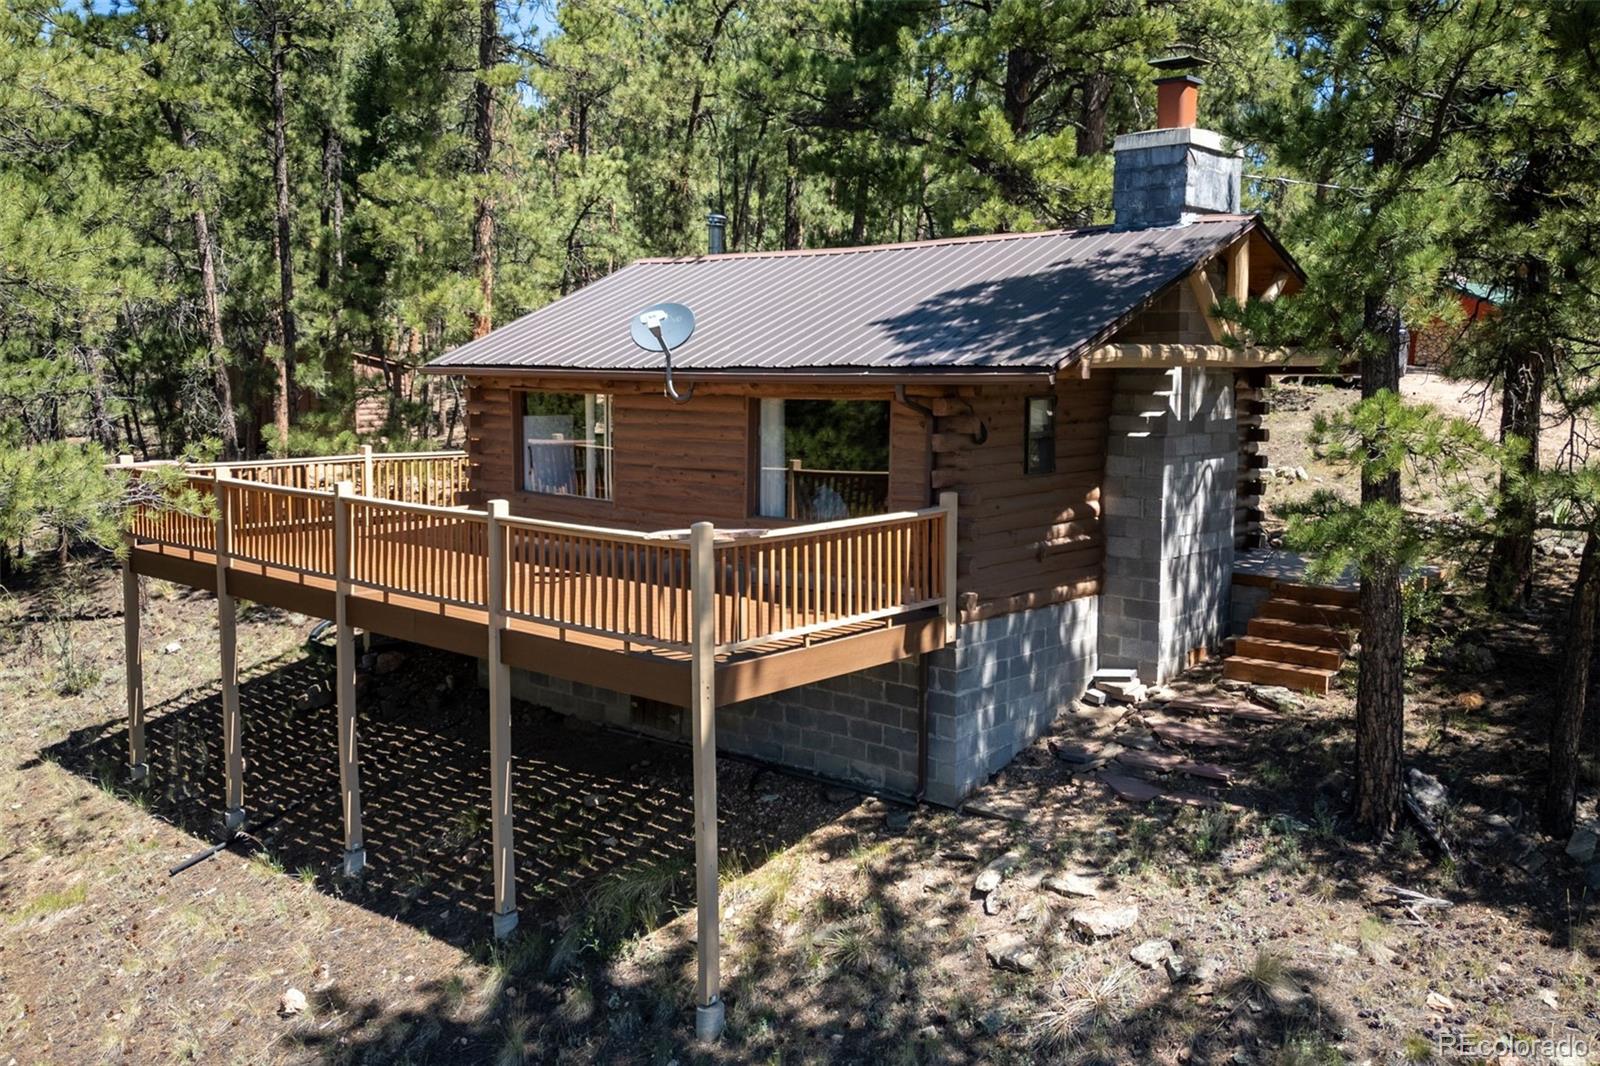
(1177, 101)
(1177, 89)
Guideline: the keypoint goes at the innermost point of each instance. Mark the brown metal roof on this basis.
(1009, 302)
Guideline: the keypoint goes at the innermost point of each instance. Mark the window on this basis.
(566, 444)
(822, 460)
(1039, 454)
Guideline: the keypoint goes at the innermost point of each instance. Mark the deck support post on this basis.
(952, 608)
(709, 1015)
(232, 723)
(504, 846)
(355, 851)
(366, 471)
(133, 658)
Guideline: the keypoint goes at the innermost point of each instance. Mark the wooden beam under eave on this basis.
(1206, 297)
(1239, 272)
(1133, 356)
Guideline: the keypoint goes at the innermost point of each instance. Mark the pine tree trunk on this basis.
(1558, 811)
(1510, 576)
(1091, 136)
(858, 220)
(791, 195)
(1380, 690)
(222, 385)
(210, 297)
(281, 236)
(483, 215)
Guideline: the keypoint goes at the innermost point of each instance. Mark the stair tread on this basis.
(1316, 636)
(1299, 610)
(1295, 667)
(1279, 642)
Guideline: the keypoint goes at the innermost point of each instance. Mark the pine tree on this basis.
(1386, 99)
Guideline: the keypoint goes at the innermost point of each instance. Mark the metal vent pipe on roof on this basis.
(716, 233)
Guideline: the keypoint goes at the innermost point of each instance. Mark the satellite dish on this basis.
(663, 327)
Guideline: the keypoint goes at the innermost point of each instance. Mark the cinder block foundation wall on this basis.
(989, 697)
(1172, 460)
(1001, 686)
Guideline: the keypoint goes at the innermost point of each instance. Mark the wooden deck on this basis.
(604, 607)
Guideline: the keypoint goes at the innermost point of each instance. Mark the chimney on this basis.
(1169, 175)
(716, 233)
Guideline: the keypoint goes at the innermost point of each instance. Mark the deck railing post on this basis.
(505, 872)
(232, 722)
(709, 1016)
(133, 657)
(366, 470)
(952, 608)
(355, 851)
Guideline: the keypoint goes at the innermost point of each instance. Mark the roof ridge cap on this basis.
(892, 246)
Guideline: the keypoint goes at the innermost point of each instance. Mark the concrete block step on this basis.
(1288, 651)
(1297, 633)
(1261, 672)
(1296, 611)
(1319, 594)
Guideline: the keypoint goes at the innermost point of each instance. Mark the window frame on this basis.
(1030, 436)
(754, 466)
(519, 443)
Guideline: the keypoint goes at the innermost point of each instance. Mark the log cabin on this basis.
(1075, 390)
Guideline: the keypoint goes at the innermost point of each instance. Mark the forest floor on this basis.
(852, 929)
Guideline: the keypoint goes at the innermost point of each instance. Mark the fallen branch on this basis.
(1411, 901)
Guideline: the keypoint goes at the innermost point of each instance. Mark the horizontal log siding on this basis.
(1026, 540)
(673, 464)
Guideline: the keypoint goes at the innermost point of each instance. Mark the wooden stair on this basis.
(1297, 639)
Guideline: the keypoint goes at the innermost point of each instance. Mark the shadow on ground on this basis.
(589, 804)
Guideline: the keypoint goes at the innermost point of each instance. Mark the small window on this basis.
(566, 444)
(1040, 454)
(822, 460)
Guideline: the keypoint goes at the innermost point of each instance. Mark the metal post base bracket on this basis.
(138, 771)
(504, 924)
(233, 820)
(355, 861)
(709, 1021)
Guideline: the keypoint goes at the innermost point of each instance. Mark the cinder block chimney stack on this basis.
(1168, 175)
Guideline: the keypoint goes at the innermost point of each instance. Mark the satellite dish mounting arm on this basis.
(666, 353)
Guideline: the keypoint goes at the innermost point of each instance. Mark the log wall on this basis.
(1025, 540)
(673, 464)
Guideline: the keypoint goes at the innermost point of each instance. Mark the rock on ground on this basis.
(1151, 953)
(1581, 845)
(293, 1001)
(990, 876)
(1073, 885)
(1010, 952)
(1104, 921)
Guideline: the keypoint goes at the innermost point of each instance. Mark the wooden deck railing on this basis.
(770, 585)
(793, 582)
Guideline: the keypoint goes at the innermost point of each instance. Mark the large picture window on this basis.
(566, 443)
(821, 460)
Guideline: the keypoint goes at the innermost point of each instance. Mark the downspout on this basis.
(922, 727)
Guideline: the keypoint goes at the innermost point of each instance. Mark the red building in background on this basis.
(1430, 344)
